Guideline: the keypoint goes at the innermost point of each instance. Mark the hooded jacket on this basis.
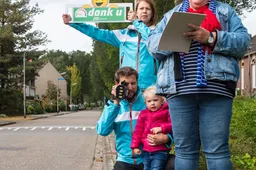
(127, 42)
(148, 120)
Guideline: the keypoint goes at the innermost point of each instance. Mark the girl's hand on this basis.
(132, 15)
(66, 18)
(156, 130)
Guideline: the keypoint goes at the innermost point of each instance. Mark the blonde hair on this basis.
(151, 91)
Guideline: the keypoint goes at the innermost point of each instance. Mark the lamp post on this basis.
(71, 92)
(58, 92)
(24, 82)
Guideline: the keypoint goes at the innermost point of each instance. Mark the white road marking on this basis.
(16, 129)
(33, 128)
(49, 128)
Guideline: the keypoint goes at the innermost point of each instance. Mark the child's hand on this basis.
(156, 130)
(137, 151)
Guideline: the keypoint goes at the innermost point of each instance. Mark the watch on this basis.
(210, 38)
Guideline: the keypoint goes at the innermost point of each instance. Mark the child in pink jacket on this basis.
(154, 119)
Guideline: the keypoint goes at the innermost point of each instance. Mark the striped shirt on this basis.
(190, 74)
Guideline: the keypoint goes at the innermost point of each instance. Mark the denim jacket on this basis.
(222, 64)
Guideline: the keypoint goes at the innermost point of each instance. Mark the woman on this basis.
(201, 102)
(127, 41)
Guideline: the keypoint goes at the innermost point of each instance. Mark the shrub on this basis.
(49, 105)
(30, 110)
(37, 107)
(246, 162)
(62, 106)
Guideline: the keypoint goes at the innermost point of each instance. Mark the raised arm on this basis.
(103, 35)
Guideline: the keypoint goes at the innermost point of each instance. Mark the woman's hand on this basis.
(66, 18)
(132, 15)
(199, 34)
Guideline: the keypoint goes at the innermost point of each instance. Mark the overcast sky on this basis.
(67, 39)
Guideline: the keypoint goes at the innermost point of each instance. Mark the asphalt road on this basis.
(64, 142)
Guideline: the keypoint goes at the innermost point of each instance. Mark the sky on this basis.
(67, 39)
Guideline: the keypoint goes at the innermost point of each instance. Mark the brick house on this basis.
(247, 81)
(49, 73)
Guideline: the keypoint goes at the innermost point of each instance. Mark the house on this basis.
(49, 73)
(247, 81)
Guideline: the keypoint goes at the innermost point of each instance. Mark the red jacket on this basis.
(148, 120)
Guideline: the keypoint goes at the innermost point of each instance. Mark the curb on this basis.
(36, 117)
(4, 123)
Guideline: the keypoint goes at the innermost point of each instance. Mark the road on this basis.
(63, 142)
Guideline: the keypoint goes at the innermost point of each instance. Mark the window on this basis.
(242, 74)
(253, 74)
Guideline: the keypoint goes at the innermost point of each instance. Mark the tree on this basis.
(76, 80)
(51, 91)
(16, 37)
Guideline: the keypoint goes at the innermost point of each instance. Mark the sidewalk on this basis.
(19, 119)
(105, 154)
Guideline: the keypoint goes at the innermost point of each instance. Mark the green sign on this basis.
(99, 14)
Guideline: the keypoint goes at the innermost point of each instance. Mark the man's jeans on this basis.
(201, 119)
(155, 160)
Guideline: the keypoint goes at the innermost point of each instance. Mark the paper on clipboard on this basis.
(172, 38)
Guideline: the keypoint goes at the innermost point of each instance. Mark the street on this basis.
(56, 143)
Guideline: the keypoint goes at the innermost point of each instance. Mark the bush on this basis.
(242, 135)
(11, 102)
(49, 106)
(246, 162)
(30, 110)
(36, 105)
(62, 106)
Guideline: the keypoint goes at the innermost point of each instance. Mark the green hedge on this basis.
(242, 135)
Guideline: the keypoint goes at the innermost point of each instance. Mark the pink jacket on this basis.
(148, 120)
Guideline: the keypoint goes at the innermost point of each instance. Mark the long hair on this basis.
(152, 5)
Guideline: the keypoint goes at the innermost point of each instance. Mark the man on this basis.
(121, 116)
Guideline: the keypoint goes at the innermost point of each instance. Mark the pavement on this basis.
(19, 119)
(104, 154)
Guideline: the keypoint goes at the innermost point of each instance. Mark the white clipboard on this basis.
(172, 38)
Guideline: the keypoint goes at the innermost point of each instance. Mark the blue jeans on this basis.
(201, 119)
(155, 160)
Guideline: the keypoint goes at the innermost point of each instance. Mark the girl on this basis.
(128, 41)
(154, 119)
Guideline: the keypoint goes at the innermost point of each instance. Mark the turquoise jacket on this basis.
(127, 42)
(122, 119)
(232, 43)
